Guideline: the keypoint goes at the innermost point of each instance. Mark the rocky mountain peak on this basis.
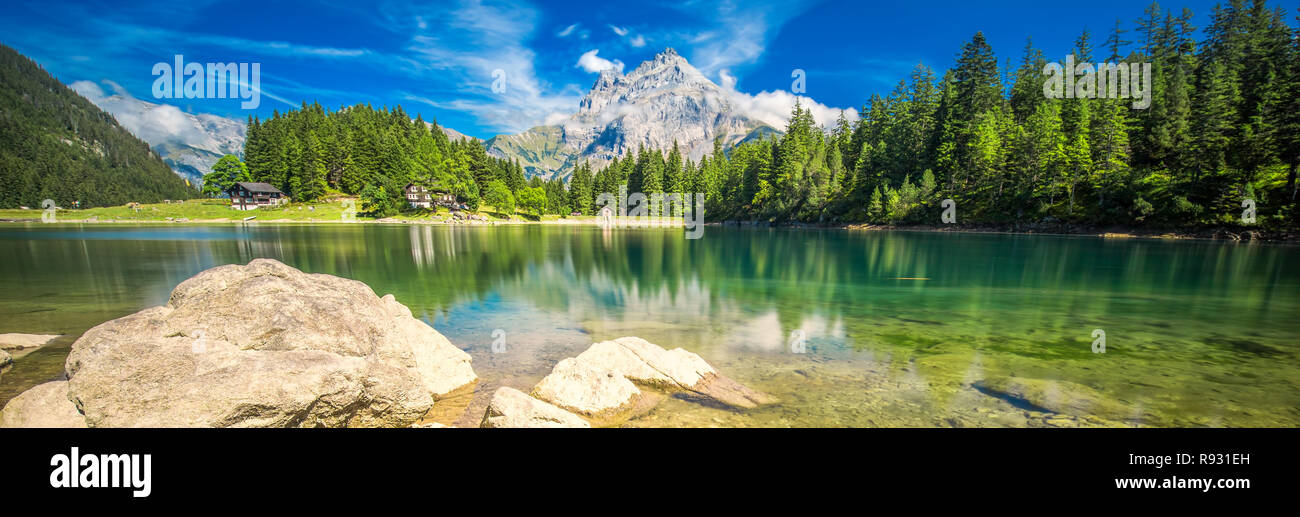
(662, 100)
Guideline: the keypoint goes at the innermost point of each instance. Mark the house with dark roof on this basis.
(419, 196)
(248, 196)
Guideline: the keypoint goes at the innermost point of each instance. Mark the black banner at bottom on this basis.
(305, 467)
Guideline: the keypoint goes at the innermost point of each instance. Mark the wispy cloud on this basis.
(161, 123)
(565, 32)
(740, 31)
(477, 45)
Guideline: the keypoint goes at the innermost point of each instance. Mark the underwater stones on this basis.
(727, 391)
(1056, 396)
(5, 359)
(513, 408)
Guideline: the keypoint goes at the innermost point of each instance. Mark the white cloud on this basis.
(773, 108)
(638, 41)
(567, 31)
(163, 123)
(592, 63)
(621, 31)
(728, 81)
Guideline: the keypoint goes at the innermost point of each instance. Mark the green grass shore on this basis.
(343, 210)
(337, 210)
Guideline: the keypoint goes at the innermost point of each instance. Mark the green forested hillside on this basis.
(55, 144)
(311, 152)
(1223, 128)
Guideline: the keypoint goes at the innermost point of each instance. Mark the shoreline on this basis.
(1216, 234)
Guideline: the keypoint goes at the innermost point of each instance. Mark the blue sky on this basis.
(437, 58)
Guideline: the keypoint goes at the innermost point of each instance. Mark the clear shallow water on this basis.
(898, 325)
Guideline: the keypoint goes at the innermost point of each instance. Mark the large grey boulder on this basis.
(45, 405)
(264, 345)
(513, 408)
(604, 379)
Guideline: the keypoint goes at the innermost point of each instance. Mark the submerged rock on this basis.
(45, 405)
(5, 359)
(264, 345)
(1062, 397)
(14, 341)
(604, 379)
(512, 408)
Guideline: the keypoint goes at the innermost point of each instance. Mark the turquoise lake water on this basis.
(845, 328)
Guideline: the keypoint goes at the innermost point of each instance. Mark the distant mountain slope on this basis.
(663, 100)
(188, 143)
(453, 134)
(55, 144)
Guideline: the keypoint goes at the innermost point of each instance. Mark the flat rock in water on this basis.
(727, 391)
(45, 405)
(513, 408)
(604, 379)
(264, 345)
(15, 341)
(579, 387)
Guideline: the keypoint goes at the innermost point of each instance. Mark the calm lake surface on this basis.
(896, 326)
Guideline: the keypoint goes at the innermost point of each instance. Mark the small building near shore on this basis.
(419, 196)
(249, 196)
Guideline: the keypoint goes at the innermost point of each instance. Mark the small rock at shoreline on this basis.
(604, 379)
(46, 405)
(582, 388)
(5, 359)
(513, 408)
